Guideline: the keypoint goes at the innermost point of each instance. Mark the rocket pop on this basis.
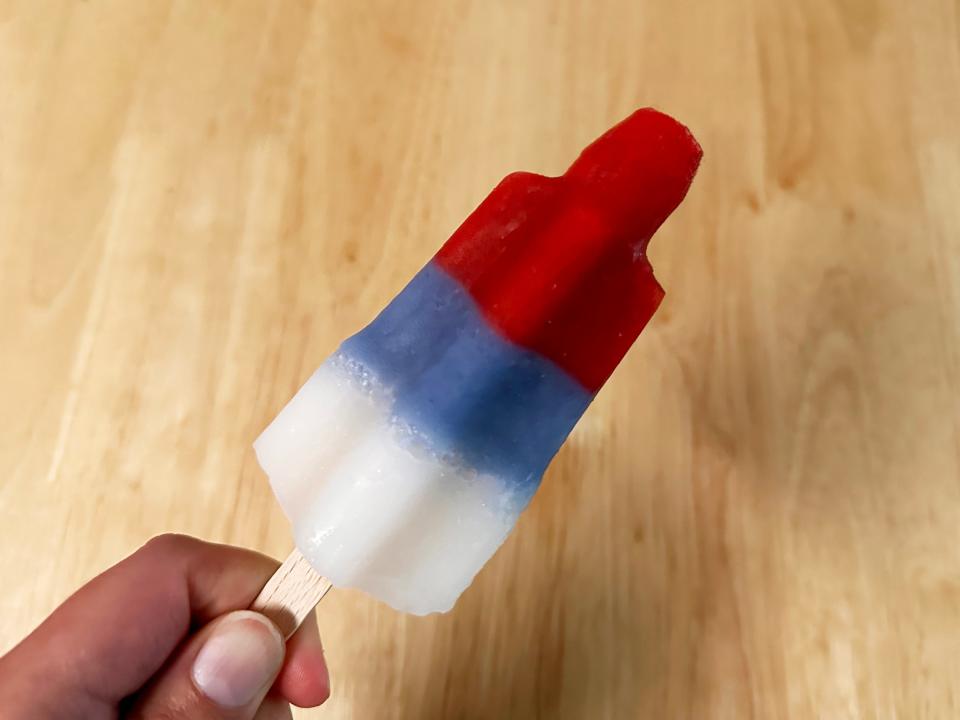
(407, 457)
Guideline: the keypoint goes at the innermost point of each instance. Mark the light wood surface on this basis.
(760, 515)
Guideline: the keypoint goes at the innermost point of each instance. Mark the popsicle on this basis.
(405, 460)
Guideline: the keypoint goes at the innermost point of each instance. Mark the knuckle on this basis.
(169, 544)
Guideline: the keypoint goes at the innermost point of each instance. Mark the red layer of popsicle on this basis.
(558, 264)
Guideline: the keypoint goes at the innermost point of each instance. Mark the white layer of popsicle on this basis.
(372, 508)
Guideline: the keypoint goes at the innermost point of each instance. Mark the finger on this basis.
(115, 633)
(222, 673)
(304, 679)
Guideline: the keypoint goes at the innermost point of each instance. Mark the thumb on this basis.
(221, 673)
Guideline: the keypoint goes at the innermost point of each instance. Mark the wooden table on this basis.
(759, 516)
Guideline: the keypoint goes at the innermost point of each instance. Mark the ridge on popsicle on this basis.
(406, 458)
(558, 264)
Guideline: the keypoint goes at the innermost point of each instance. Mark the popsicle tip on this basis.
(646, 130)
(640, 169)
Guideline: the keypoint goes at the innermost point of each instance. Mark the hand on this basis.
(164, 634)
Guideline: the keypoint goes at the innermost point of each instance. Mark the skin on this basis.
(122, 646)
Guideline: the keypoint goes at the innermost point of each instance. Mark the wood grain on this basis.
(291, 594)
(760, 515)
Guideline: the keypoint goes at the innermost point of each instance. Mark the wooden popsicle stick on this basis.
(291, 594)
